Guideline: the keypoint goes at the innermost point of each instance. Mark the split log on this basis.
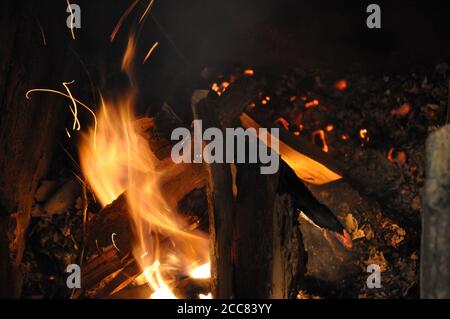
(270, 259)
(220, 211)
(256, 248)
(222, 113)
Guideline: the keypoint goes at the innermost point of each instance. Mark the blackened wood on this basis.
(254, 232)
(435, 247)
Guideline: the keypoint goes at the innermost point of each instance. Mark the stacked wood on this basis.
(110, 235)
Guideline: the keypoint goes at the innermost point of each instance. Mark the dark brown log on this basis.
(256, 247)
(270, 258)
(220, 211)
(28, 128)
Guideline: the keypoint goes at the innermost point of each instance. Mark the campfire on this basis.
(227, 181)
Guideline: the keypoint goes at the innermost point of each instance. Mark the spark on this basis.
(68, 134)
(76, 122)
(150, 51)
(42, 32)
(71, 20)
(122, 18)
(150, 4)
(329, 127)
(74, 101)
(114, 242)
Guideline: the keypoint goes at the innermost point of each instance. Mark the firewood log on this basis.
(256, 248)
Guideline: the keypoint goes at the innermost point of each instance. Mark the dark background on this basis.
(264, 33)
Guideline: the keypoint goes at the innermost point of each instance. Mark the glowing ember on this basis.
(329, 127)
(283, 122)
(323, 139)
(312, 104)
(341, 85)
(402, 110)
(364, 134)
(249, 72)
(220, 89)
(400, 157)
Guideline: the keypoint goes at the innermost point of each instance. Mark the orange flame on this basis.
(122, 162)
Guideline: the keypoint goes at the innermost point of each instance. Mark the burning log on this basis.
(110, 232)
(185, 288)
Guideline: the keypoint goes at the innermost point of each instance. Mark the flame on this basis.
(203, 271)
(122, 162)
